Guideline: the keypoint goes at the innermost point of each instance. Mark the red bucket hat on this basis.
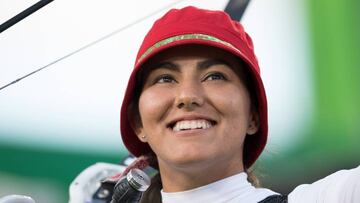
(191, 25)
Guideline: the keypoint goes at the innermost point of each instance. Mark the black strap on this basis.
(275, 199)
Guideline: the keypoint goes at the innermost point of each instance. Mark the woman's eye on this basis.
(165, 79)
(215, 76)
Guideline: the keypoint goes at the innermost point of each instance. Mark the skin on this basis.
(189, 83)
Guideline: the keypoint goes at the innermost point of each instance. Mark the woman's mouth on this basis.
(192, 124)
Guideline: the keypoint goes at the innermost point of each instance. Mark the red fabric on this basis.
(191, 20)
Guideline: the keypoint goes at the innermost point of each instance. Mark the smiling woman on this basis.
(195, 104)
(188, 119)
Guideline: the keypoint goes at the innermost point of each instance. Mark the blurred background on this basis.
(65, 118)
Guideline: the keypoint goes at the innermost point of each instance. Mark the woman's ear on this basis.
(142, 136)
(254, 123)
(138, 129)
(136, 124)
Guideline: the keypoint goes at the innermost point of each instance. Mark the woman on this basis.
(196, 103)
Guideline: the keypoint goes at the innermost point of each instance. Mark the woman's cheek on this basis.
(154, 102)
(221, 98)
(230, 100)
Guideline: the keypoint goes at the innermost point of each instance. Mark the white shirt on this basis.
(233, 189)
(340, 187)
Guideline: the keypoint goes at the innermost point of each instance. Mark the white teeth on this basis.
(193, 124)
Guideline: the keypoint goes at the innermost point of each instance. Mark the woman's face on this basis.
(195, 111)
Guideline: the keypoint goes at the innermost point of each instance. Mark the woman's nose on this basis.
(189, 96)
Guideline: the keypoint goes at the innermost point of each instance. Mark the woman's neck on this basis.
(175, 179)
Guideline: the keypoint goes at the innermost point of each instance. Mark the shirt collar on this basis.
(228, 188)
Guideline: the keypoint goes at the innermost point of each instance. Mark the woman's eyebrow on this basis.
(166, 65)
(211, 62)
(201, 65)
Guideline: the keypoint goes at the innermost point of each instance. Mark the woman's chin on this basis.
(187, 160)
